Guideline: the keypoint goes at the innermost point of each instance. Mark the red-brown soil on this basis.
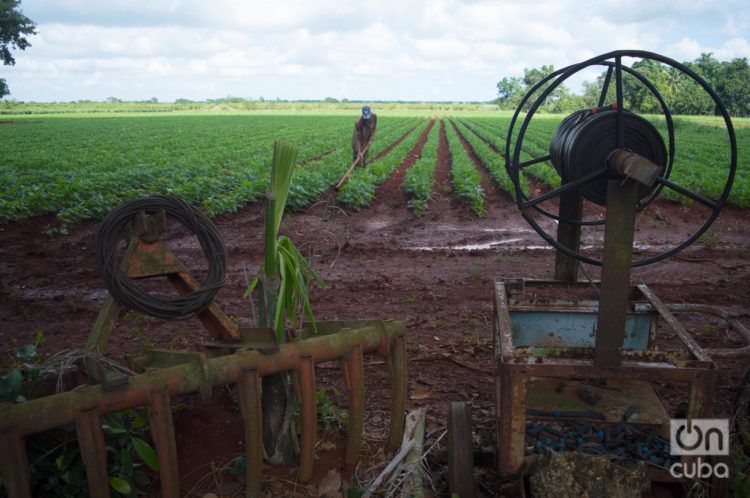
(434, 273)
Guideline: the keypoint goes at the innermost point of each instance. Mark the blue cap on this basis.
(366, 112)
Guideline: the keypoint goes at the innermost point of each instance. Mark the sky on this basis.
(443, 50)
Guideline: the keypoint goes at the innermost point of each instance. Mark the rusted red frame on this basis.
(515, 366)
(84, 405)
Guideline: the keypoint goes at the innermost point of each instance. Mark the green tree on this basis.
(14, 28)
(732, 84)
(637, 97)
(534, 75)
(707, 67)
(512, 89)
(509, 92)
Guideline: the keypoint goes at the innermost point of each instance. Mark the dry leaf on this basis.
(421, 394)
(330, 485)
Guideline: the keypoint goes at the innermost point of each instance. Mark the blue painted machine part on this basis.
(573, 329)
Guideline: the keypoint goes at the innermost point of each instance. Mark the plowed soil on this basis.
(434, 273)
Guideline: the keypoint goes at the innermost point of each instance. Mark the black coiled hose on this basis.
(124, 289)
(582, 143)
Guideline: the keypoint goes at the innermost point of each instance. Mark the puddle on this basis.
(484, 246)
(460, 228)
(504, 243)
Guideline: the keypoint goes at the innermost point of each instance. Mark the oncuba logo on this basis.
(697, 438)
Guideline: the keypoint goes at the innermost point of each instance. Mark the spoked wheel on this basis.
(460, 454)
(583, 144)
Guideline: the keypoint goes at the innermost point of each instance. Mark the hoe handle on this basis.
(348, 172)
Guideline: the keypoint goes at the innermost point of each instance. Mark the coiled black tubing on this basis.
(124, 289)
(582, 143)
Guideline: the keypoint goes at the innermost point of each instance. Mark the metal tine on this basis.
(250, 406)
(356, 374)
(93, 451)
(162, 433)
(397, 370)
(306, 376)
(14, 465)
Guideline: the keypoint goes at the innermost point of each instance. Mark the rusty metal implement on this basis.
(238, 356)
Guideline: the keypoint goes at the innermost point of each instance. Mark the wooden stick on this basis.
(413, 484)
(407, 444)
(343, 178)
(387, 470)
(346, 175)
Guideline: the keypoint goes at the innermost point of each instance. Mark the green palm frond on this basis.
(285, 278)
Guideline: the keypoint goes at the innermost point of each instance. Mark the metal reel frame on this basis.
(514, 165)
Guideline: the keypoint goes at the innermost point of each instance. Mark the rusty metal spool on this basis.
(628, 130)
(131, 217)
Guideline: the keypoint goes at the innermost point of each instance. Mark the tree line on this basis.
(729, 79)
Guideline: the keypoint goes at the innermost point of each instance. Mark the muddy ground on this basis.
(434, 273)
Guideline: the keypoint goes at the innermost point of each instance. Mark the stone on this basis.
(579, 474)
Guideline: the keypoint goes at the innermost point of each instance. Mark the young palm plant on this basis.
(282, 283)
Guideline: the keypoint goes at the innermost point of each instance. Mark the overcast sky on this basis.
(371, 50)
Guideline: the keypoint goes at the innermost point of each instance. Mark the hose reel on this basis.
(585, 140)
(589, 147)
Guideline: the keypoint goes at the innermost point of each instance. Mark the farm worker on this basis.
(364, 132)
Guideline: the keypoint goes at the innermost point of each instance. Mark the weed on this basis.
(57, 468)
(332, 417)
(659, 215)
(505, 255)
(712, 236)
(476, 274)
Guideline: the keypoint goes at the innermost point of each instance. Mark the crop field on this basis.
(419, 235)
(78, 167)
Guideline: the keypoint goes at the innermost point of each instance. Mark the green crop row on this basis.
(80, 168)
(314, 178)
(495, 132)
(418, 179)
(360, 189)
(701, 153)
(491, 160)
(466, 178)
(702, 156)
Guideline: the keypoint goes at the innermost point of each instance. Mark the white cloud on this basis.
(736, 47)
(375, 49)
(686, 49)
